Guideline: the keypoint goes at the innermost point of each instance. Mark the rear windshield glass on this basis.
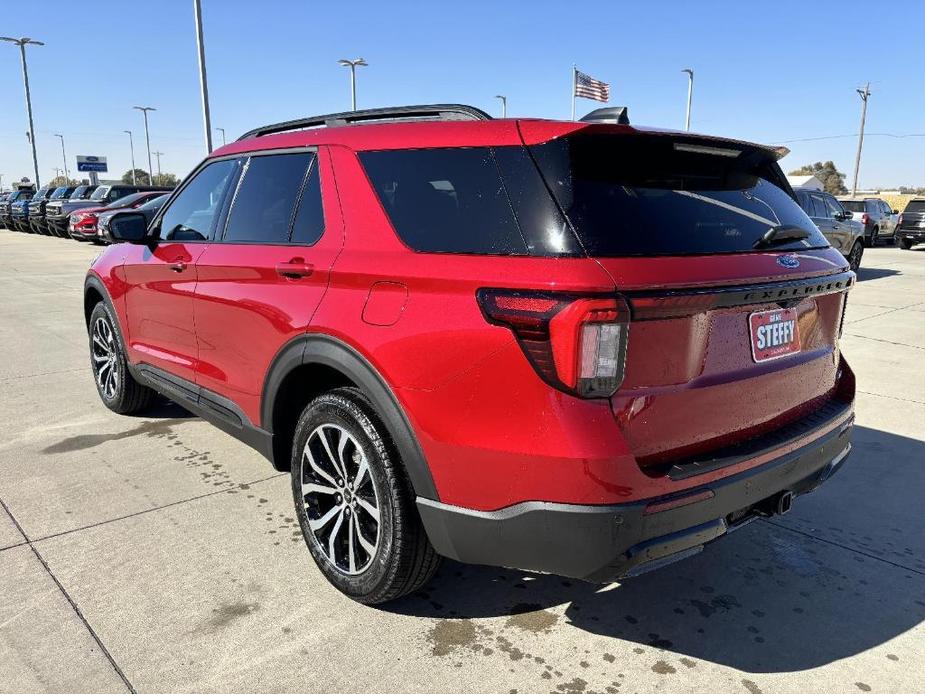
(853, 205)
(631, 195)
(483, 200)
(915, 206)
(100, 193)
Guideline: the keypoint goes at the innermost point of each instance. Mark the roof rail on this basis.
(424, 112)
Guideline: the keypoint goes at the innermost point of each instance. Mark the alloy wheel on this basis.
(105, 355)
(854, 259)
(340, 499)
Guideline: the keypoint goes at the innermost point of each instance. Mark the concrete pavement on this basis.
(157, 554)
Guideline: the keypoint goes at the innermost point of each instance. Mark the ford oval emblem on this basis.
(790, 261)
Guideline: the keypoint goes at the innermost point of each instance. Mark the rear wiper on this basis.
(781, 234)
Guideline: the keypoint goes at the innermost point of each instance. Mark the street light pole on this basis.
(865, 94)
(203, 82)
(690, 96)
(503, 105)
(353, 65)
(144, 110)
(223, 136)
(131, 148)
(63, 155)
(22, 43)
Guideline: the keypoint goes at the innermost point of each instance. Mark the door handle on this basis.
(178, 265)
(294, 269)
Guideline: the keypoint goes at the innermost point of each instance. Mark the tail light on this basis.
(576, 344)
(899, 220)
(865, 218)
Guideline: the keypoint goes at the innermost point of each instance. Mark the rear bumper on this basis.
(603, 543)
(917, 235)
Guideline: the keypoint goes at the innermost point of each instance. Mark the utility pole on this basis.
(353, 65)
(158, 155)
(503, 104)
(131, 148)
(22, 43)
(690, 96)
(203, 82)
(144, 110)
(58, 173)
(223, 136)
(63, 155)
(865, 94)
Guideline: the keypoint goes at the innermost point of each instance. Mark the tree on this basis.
(832, 179)
(62, 181)
(166, 179)
(141, 177)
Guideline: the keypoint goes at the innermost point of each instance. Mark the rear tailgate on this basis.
(736, 297)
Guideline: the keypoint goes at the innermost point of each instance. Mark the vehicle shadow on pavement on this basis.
(776, 596)
(875, 273)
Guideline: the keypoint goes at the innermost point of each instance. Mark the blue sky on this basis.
(767, 71)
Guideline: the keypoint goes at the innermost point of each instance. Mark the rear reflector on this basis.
(678, 501)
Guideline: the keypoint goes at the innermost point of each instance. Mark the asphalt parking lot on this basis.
(157, 554)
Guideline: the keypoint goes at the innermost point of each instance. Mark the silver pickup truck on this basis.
(878, 218)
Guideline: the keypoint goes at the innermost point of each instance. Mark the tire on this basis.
(116, 386)
(874, 237)
(905, 244)
(855, 255)
(356, 473)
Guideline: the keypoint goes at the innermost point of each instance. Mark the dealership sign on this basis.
(91, 163)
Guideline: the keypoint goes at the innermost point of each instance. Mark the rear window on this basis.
(628, 195)
(915, 206)
(480, 200)
(853, 205)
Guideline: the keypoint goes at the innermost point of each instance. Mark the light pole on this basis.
(353, 65)
(865, 94)
(203, 82)
(503, 105)
(58, 173)
(22, 43)
(223, 136)
(690, 96)
(144, 110)
(131, 149)
(63, 155)
(158, 155)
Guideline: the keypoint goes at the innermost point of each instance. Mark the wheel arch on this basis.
(311, 364)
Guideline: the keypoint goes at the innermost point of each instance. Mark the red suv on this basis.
(574, 347)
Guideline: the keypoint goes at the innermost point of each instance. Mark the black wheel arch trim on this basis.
(329, 351)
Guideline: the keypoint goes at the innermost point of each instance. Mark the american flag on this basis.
(589, 88)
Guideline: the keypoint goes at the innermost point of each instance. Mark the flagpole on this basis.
(574, 80)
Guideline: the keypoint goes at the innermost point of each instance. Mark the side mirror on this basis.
(130, 227)
(895, 211)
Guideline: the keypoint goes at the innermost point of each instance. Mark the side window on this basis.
(819, 207)
(803, 201)
(193, 212)
(309, 219)
(262, 208)
(835, 209)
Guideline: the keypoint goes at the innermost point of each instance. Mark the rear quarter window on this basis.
(473, 200)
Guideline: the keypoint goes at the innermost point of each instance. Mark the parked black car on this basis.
(61, 193)
(58, 211)
(19, 211)
(149, 209)
(37, 209)
(911, 227)
(59, 214)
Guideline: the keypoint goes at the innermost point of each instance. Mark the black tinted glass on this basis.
(917, 206)
(263, 206)
(819, 207)
(192, 213)
(309, 219)
(853, 205)
(446, 200)
(656, 195)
